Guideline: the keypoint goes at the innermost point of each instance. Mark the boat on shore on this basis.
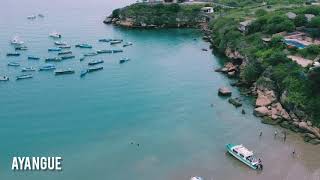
(64, 71)
(16, 41)
(83, 73)
(90, 54)
(55, 35)
(13, 54)
(67, 57)
(28, 69)
(33, 58)
(54, 49)
(245, 156)
(65, 52)
(124, 60)
(4, 78)
(24, 76)
(104, 51)
(54, 59)
(60, 43)
(84, 46)
(21, 48)
(47, 67)
(93, 69)
(95, 62)
(14, 64)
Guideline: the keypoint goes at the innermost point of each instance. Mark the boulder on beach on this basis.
(235, 101)
(261, 111)
(265, 98)
(314, 141)
(224, 91)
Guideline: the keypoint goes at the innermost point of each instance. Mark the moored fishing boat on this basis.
(54, 49)
(60, 43)
(32, 17)
(95, 62)
(47, 67)
(91, 54)
(4, 78)
(93, 69)
(104, 51)
(117, 51)
(82, 58)
(41, 15)
(244, 155)
(21, 48)
(33, 58)
(24, 76)
(123, 60)
(54, 59)
(105, 40)
(196, 178)
(67, 57)
(115, 42)
(64, 71)
(127, 44)
(16, 41)
(28, 69)
(65, 47)
(14, 64)
(65, 52)
(83, 73)
(55, 35)
(13, 54)
(84, 46)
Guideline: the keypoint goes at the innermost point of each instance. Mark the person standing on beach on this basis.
(275, 134)
(260, 135)
(284, 136)
(293, 153)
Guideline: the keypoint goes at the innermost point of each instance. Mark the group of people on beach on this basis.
(284, 139)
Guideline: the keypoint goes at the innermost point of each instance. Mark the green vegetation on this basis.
(269, 60)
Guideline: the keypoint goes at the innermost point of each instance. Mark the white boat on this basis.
(55, 35)
(244, 155)
(4, 78)
(196, 178)
(16, 41)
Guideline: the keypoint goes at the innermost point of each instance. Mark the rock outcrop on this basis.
(224, 91)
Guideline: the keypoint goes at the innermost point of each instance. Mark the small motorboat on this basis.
(28, 69)
(117, 51)
(93, 69)
(82, 58)
(121, 40)
(54, 59)
(16, 41)
(127, 44)
(95, 62)
(55, 35)
(104, 51)
(13, 54)
(67, 57)
(33, 58)
(24, 76)
(60, 43)
(47, 67)
(65, 47)
(21, 48)
(91, 54)
(41, 15)
(14, 64)
(84, 46)
(65, 52)
(32, 17)
(64, 71)
(245, 156)
(4, 78)
(204, 49)
(196, 178)
(54, 49)
(105, 40)
(115, 42)
(83, 73)
(124, 60)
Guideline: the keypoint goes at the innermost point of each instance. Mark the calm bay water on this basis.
(161, 100)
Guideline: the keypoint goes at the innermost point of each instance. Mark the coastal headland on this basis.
(272, 49)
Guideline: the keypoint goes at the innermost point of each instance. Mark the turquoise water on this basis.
(161, 100)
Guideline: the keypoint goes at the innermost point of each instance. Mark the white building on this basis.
(208, 10)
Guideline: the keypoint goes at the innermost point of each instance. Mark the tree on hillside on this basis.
(300, 20)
